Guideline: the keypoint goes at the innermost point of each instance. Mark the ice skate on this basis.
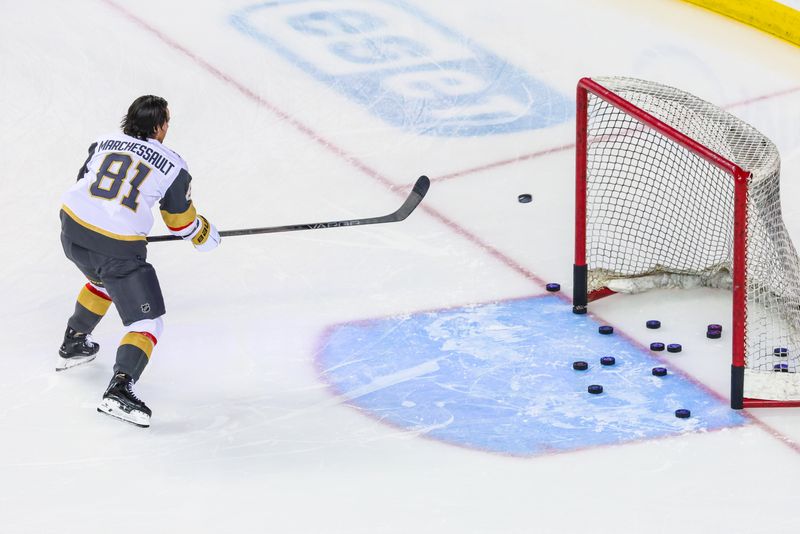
(77, 348)
(120, 402)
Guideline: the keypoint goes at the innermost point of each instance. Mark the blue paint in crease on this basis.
(499, 378)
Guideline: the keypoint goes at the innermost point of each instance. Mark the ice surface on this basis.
(247, 435)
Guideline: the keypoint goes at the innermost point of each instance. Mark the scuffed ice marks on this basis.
(479, 332)
(498, 377)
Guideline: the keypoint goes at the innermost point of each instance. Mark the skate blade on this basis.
(68, 363)
(113, 408)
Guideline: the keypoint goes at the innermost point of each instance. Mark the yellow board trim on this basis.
(767, 15)
(93, 303)
(99, 230)
(139, 341)
(179, 220)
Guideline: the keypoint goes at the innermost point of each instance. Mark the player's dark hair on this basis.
(144, 116)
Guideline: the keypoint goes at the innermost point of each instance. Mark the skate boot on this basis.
(77, 348)
(119, 401)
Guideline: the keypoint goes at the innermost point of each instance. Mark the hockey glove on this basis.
(205, 236)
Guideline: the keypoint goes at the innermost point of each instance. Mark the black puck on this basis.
(674, 347)
(595, 389)
(606, 329)
(714, 334)
(553, 287)
(781, 367)
(659, 371)
(580, 366)
(715, 327)
(608, 360)
(683, 413)
(656, 346)
(524, 198)
(653, 324)
(781, 352)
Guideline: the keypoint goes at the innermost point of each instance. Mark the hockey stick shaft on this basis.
(410, 204)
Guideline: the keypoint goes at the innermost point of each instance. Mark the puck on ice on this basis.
(653, 324)
(674, 347)
(659, 371)
(594, 389)
(524, 198)
(683, 413)
(606, 329)
(656, 346)
(608, 360)
(553, 287)
(580, 366)
(781, 367)
(714, 334)
(781, 352)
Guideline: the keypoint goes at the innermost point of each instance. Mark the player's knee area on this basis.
(98, 288)
(154, 327)
(94, 298)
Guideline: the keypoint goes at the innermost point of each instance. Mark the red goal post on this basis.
(672, 191)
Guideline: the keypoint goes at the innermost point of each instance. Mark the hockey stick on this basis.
(413, 200)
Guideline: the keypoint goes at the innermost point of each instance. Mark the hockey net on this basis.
(673, 191)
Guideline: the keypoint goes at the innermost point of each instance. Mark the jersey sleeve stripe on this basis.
(99, 230)
(179, 221)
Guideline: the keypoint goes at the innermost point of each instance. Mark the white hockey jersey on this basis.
(122, 179)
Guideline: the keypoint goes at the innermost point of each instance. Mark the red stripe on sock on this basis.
(94, 291)
(149, 336)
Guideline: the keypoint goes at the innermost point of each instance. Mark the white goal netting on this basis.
(660, 215)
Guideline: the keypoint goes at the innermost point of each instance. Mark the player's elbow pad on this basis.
(204, 235)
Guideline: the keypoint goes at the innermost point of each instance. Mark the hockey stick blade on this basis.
(414, 198)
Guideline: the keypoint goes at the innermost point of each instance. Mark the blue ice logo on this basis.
(405, 67)
(499, 378)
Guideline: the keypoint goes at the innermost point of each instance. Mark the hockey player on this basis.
(105, 218)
